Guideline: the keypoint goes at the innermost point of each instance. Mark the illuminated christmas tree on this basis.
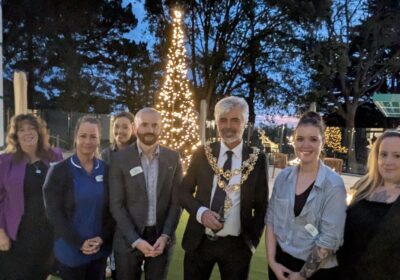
(175, 100)
(333, 140)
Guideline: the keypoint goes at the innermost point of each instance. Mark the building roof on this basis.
(388, 104)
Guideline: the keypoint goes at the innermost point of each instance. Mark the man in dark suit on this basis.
(144, 179)
(225, 192)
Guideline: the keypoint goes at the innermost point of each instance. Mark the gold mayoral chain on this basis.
(246, 168)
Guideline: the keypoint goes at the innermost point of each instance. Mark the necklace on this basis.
(37, 168)
(245, 169)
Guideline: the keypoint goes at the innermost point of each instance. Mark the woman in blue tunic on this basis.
(76, 199)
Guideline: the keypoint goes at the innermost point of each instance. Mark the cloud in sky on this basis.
(276, 120)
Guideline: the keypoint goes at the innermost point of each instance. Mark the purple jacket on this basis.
(12, 192)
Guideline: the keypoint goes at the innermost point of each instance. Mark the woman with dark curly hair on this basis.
(25, 233)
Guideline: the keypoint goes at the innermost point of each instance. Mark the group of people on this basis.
(310, 231)
(72, 214)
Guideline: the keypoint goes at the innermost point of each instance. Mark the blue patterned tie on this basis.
(217, 204)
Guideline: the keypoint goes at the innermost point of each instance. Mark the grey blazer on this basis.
(128, 195)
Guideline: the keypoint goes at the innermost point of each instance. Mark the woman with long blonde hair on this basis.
(371, 247)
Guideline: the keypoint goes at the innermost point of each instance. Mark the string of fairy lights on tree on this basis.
(333, 140)
(175, 100)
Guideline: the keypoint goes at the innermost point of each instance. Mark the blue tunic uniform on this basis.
(89, 195)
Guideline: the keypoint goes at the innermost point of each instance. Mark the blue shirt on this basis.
(321, 221)
(89, 195)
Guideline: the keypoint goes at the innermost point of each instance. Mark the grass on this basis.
(258, 269)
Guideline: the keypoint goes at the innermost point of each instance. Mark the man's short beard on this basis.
(142, 138)
(233, 139)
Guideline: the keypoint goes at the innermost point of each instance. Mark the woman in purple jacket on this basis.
(25, 233)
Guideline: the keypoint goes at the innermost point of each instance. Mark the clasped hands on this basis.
(211, 220)
(155, 250)
(283, 273)
(92, 246)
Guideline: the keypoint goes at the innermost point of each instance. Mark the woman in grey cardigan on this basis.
(307, 210)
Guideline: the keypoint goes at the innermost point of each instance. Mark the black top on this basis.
(362, 223)
(301, 199)
(30, 257)
(34, 214)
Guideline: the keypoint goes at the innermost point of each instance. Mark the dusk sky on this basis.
(142, 33)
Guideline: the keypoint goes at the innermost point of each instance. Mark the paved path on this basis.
(349, 179)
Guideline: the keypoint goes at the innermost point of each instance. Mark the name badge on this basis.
(99, 178)
(311, 230)
(136, 170)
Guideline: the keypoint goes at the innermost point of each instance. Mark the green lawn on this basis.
(258, 268)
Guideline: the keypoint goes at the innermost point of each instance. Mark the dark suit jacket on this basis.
(128, 195)
(195, 191)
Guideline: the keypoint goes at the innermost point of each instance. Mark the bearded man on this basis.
(144, 179)
(225, 192)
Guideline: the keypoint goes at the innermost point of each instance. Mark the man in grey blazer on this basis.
(143, 199)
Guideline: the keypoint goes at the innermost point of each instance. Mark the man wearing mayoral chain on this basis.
(225, 191)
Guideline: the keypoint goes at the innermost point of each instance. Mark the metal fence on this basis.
(61, 126)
